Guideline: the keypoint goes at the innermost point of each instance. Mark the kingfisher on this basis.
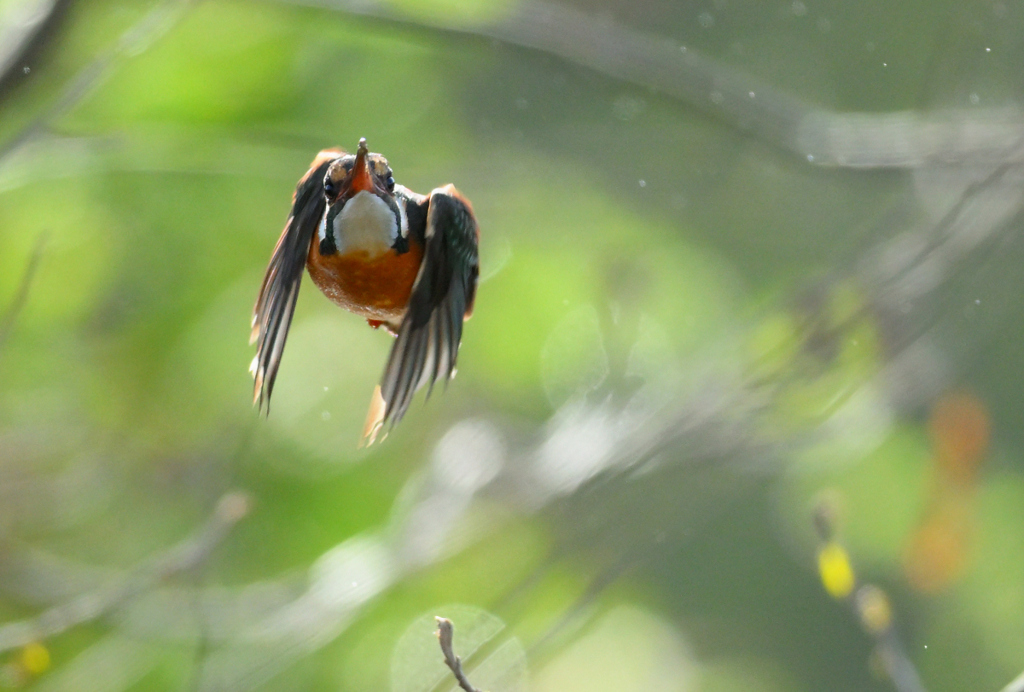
(403, 261)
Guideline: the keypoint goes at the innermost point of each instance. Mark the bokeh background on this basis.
(748, 268)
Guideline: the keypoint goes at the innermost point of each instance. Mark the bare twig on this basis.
(445, 632)
(21, 295)
(185, 556)
(869, 603)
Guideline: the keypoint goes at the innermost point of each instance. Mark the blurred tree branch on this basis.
(21, 294)
(817, 135)
(184, 557)
(868, 602)
(720, 421)
(153, 24)
(24, 31)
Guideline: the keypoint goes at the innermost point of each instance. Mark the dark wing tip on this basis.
(427, 346)
(422, 355)
(272, 314)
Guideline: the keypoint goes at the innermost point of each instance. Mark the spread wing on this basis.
(442, 297)
(276, 303)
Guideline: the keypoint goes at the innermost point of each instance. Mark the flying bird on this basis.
(403, 261)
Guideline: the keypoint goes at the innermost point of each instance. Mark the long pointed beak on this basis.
(361, 180)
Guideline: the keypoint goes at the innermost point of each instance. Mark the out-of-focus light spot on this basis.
(577, 449)
(937, 552)
(35, 658)
(348, 575)
(469, 456)
(960, 434)
(574, 360)
(835, 570)
(874, 609)
(651, 357)
(627, 108)
(233, 507)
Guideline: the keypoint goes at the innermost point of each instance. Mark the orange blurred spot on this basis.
(937, 553)
(374, 418)
(960, 434)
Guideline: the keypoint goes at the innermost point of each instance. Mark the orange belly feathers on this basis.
(376, 288)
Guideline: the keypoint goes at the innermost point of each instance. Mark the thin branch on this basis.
(445, 633)
(21, 295)
(819, 136)
(577, 610)
(155, 23)
(184, 557)
(869, 603)
(23, 34)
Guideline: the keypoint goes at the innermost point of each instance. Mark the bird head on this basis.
(363, 172)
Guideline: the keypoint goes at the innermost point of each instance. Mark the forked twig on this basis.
(445, 632)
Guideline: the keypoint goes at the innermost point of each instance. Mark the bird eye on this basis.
(390, 182)
(330, 189)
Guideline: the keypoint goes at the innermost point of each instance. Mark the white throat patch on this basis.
(367, 223)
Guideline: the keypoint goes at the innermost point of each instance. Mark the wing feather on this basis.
(442, 297)
(272, 315)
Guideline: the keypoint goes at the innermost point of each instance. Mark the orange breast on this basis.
(376, 288)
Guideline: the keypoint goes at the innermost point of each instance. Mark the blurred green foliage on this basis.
(624, 237)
